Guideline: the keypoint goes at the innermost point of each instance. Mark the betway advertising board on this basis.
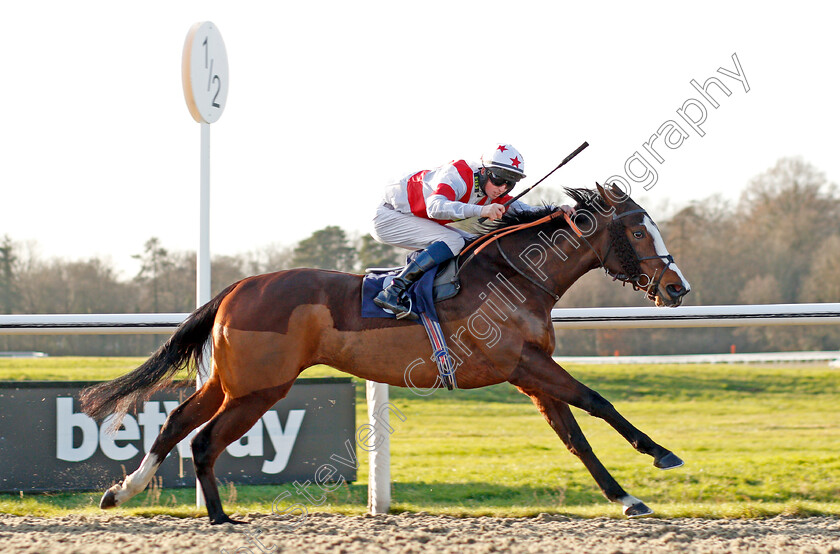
(48, 444)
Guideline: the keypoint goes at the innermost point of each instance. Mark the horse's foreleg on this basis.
(236, 416)
(538, 373)
(194, 411)
(560, 417)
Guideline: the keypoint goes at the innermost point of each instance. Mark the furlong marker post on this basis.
(204, 60)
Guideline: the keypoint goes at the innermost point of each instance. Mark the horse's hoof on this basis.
(637, 510)
(225, 519)
(109, 500)
(668, 461)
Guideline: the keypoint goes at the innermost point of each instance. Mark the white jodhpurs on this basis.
(412, 232)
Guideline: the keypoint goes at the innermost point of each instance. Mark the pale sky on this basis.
(329, 101)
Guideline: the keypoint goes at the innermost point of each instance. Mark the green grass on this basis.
(65, 368)
(758, 441)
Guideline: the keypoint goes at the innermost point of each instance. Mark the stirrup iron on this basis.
(409, 312)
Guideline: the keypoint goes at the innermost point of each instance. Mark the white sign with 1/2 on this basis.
(204, 71)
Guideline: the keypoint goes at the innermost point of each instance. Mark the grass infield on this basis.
(758, 441)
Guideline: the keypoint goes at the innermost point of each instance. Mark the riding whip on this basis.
(566, 160)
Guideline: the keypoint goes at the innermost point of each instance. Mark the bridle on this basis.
(627, 276)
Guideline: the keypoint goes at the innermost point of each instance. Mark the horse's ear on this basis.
(618, 193)
(601, 191)
(612, 194)
(608, 199)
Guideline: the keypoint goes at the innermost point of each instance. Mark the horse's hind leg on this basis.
(560, 417)
(236, 416)
(538, 373)
(194, 411)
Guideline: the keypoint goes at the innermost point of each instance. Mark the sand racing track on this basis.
(407, 533)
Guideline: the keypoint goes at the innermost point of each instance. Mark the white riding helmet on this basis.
(504, 162)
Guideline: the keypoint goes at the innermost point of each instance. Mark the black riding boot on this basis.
(394, 296)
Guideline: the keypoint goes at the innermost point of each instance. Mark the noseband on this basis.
(631, 267)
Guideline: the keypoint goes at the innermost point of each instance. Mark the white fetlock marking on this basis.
(137, 481)
(629, 501)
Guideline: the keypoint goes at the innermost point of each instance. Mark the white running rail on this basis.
(573, 318)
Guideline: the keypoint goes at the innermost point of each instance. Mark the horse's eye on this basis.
(639, 234)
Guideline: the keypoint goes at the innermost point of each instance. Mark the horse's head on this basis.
(631, 249)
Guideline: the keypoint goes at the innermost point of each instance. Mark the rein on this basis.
(519, 271)
(484, 240)
(634, 280)
(494, 236)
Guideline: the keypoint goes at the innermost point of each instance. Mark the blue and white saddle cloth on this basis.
(422, 296)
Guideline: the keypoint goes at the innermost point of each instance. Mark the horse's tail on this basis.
(183, 350)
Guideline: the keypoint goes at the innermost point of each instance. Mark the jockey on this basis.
(415, 211)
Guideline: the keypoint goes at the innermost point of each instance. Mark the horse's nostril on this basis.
(676, 291)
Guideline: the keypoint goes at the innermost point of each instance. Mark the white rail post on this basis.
(379, 473)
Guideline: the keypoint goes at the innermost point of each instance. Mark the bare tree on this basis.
(155, 262)
(8, 286)
(783, 215)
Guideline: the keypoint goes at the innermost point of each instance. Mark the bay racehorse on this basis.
(267, 329)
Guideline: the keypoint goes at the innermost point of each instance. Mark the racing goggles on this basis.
(500, 180)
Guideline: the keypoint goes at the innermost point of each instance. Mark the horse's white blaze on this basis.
(662, 250)
(137, 481)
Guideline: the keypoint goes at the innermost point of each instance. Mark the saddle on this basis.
(446, 283)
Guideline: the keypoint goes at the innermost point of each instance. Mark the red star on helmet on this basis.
(501, 148)
(515, 161)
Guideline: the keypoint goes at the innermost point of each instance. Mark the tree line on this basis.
(780, 243)
(165, 283)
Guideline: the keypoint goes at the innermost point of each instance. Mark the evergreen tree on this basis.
(326, 249)
(375, 254)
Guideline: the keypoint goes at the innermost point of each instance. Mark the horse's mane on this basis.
(584, 198)
(587, 198)
(519, 217)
